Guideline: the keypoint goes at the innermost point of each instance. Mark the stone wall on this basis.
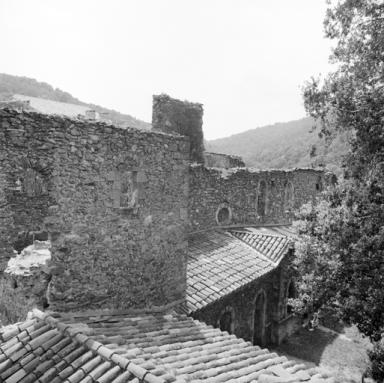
(172, 116)
(219, 160)
(113, 201)
(253, 197)
(26, 179)
(242, 304)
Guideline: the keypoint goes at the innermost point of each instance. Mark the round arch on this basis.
(226, 320)
(223, 214)
(259, 318)
(290, 293)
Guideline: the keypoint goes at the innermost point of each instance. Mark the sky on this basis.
(244, 60)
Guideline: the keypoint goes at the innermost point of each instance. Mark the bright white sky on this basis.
(245, 60)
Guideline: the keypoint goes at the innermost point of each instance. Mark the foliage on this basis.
(341, 255)
(23, 85)
(377, 358)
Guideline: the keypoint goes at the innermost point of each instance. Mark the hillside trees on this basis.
(340, 257)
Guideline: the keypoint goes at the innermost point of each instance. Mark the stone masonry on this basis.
(114, 203)
(173, 116)
(225, 161)
(252, 197)
(117, 204)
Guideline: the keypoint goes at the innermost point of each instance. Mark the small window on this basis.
(319, 184)
(291, 294)
(262, 199)
(289, 197)
(223, 215)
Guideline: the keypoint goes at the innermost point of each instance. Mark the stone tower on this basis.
(172, 116)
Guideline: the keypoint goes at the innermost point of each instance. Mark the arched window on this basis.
(223, 214)
(290, 294)
(289, 197)
(259, 319)
(262, 199)
(226, 320)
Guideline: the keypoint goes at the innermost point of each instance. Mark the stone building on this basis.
(142, 233)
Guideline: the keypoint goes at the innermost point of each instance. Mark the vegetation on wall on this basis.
(340, 258)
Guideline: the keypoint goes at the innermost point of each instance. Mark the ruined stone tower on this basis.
(172, 116)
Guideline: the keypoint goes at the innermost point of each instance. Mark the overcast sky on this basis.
(245, 60)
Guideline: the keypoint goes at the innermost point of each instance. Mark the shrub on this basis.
(376, 355)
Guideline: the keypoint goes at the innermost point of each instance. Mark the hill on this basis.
(284, 145)
(17, 85)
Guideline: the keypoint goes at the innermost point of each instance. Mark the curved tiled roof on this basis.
(177, 348)
(220, 262)
(115, 347)
(45, 350)
(269, 242)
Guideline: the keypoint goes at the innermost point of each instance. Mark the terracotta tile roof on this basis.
(45, 350)
(175, 347)
(221, 262)
(270, 241)
(115, 347)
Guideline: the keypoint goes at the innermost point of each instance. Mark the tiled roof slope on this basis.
(270, 241)
(45, 350)
(221, 262)
(177, 348)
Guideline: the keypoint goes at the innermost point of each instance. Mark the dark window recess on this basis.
(319, 184)
(223, 215)
(259, 320)
(291, 294)
(262, 199)
(225, 323)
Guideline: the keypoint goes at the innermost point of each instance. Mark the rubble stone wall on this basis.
(174, 116)
(253, 197)
(113, 201)
(26, 179)
(219, 160)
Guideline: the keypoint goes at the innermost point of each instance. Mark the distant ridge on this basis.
(16, 85)
(284, 145)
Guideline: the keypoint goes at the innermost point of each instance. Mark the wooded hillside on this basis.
(10, 85)
(283, 145)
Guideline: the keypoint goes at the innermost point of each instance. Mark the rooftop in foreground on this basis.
(117, 346)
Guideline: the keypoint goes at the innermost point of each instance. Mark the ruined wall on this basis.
(114, 203)
(253, 197)
(172, 116)
(26, 179)
(219, 160)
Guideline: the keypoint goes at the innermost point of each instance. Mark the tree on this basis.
(340, 257)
